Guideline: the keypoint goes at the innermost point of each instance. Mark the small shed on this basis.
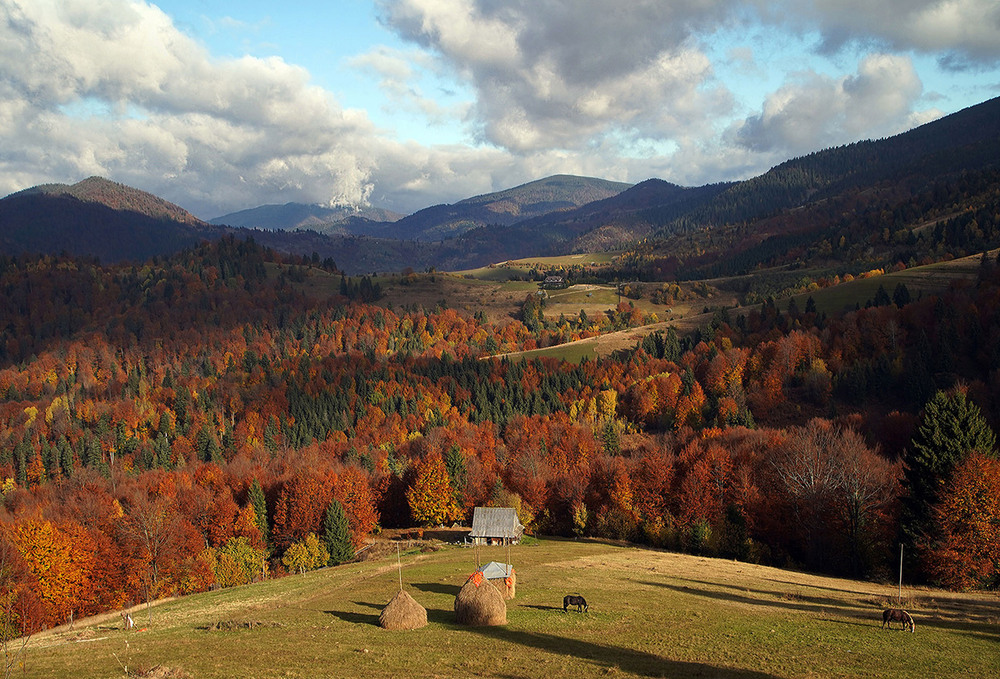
(495, 526)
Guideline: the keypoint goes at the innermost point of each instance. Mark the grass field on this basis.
(928, 279)
(652, 614)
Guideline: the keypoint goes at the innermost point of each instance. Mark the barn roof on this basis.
(494, 570)
(495, 522)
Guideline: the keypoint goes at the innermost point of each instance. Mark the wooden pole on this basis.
(399, 567)
(899, 593)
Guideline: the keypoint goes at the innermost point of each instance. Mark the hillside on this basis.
(97, 218)
(552, 194)
(908, 198)
(651, 613)
(116, 197)
(291, 216)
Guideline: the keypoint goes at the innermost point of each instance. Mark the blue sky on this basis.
(220, 106)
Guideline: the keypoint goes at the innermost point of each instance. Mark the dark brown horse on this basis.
(891, 615)
(573, 600)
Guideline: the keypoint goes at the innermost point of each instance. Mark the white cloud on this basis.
(814, 111)
(212, 134)
(557, 75)
(967, 28)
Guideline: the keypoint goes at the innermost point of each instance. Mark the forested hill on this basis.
(966, 141)
(97, 218)
(927, 194)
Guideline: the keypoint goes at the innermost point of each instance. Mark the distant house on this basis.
(495, 526)
(554, 282)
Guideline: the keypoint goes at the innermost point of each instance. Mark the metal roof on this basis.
(494, 570)
(495, 522)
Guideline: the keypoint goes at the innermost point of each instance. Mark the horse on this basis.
(127, 621)
(575, 600)
(891, 615)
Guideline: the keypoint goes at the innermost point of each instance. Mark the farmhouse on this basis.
(495, 526)
(554, 282)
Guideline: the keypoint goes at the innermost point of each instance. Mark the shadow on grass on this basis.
(436, 615)
(811, 586)
(763, 598)
(543, 608)
(441, 616)
(943, 618)
(437, 588)
(355, 617)
(615, 658)
(377, 607)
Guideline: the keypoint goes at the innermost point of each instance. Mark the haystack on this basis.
(479, 603)
(402, 612)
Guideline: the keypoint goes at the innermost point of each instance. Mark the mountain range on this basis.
(730, 227)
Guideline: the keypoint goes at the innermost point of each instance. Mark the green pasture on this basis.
(585, 259)
(929, 279)
(652, 614)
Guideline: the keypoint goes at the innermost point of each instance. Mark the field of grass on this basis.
(928, 279)
(652, 614)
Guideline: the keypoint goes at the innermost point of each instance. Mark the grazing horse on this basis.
(891, 615)
(574, 600)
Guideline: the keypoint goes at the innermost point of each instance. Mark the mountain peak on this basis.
(118, 196)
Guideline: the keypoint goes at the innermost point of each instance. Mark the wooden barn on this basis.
(495, 526)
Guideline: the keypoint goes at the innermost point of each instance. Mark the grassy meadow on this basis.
(652, 614)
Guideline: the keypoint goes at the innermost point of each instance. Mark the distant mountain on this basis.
(291, 216)
(99, 218)
(552, 194)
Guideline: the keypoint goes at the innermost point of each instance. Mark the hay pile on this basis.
(402, 612)
(508, 586)
(479, 603)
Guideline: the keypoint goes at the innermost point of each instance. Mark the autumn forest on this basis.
(203, 421)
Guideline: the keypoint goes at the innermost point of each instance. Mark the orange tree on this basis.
(431, 499)
(966, 552)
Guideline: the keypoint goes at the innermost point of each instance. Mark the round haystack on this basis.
(479, 603)
(403, 612)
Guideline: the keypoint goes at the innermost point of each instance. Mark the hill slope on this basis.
(651, 614)
(301, 216)
(99, 218)
(552, 194)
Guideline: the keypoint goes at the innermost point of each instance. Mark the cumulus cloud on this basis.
(815, 111)
(111, 87)
(966, 32)
(555, 75)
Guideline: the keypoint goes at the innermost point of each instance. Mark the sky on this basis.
(220, 105)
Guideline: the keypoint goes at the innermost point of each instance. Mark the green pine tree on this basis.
(454, 464)
(259, 504)
(951, 427)
(336, 534)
